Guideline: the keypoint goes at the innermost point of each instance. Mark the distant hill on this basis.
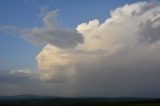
(31, 96)
(26, 96)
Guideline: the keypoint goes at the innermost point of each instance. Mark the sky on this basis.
(29, 13)
(107, 48)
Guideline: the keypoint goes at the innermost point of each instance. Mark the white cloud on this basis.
(126, 26)
(53, 63)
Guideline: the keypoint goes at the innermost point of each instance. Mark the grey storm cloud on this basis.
(64, 38)
(124, 74)
(149, 31)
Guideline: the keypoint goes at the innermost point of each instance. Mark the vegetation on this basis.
(80, 102)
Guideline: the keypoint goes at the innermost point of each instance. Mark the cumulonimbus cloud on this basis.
(130, 43)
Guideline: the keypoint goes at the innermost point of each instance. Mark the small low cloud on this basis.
(25, 81)
(16, 76)
(3, 60)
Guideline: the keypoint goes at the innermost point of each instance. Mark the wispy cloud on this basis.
(50, 33)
